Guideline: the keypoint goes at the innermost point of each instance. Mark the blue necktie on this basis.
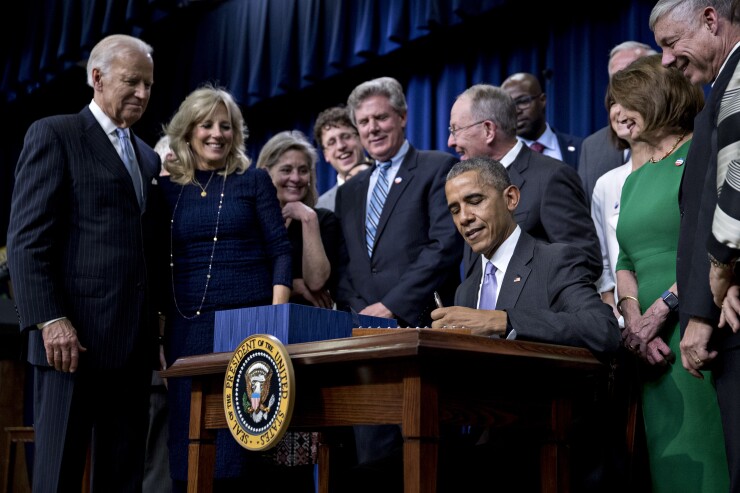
(380, 192)
(127, 155)
(488, 289)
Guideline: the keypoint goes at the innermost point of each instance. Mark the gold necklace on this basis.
(203, 192)
(670, 151)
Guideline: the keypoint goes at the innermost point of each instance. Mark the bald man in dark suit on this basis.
(80, 259)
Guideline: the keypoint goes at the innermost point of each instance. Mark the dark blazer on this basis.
(552, 207)
(598, 155)
(548, 297)
(697, 199)
(570, 148)
(418, 249)
(77, 240)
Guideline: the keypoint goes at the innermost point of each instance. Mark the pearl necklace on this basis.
(213, 250)
(203, 192)
(670, 151)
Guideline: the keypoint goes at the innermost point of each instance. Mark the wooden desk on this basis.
(417, 378)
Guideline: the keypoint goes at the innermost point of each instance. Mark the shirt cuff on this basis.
(42, 325)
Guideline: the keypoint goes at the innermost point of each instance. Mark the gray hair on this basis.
(490, 171)
(489, 102)
(682, 9)
(112, 47)
(291, 140)
(382, 86)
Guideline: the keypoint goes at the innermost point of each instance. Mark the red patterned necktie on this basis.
(537, 147)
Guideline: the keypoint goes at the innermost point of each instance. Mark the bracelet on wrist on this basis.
(623, 299)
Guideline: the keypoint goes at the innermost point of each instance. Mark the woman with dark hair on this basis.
(685, 444)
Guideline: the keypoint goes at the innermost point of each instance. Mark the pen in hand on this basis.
(438, 300)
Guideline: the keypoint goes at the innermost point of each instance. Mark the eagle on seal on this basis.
(258, 381)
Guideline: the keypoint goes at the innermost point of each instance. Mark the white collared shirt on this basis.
(512, 154)
(549, 140)
(108, 126)
(500, 259)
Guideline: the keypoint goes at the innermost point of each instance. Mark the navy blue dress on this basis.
(252, 254)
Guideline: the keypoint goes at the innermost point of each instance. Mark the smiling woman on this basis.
(314, 233)
(228, 248)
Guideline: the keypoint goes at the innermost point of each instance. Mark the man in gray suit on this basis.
(553, 207)
(598, 153)
(81, 261)
(541, 291)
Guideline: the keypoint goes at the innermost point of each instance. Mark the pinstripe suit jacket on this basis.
(548, 297)
(77, 240)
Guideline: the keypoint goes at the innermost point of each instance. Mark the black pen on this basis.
(438, 300)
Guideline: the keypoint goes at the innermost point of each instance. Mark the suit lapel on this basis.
(517, 273)
(98, 142)
(519, 166)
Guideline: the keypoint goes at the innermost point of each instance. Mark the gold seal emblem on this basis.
(259, 392)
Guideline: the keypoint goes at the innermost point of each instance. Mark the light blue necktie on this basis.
(488, 289)
(127, 155)
(380, 192)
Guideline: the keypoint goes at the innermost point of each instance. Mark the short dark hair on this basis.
(336, 116)
(492, 172)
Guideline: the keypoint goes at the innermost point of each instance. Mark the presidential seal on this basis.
(259, 392)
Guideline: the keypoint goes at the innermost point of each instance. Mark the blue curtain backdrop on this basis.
(286, 60)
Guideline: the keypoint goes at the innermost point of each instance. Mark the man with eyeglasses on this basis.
(339, 140)
(532, 127)
(483, 122)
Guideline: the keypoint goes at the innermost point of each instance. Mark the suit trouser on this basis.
(727, 379)
(105, 409)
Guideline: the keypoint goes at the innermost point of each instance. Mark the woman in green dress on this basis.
(683, 431)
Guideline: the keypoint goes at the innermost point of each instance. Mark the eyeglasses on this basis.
(525, 102)
(343, 137)
(455, 131)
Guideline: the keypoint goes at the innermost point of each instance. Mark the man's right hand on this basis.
(62, 346)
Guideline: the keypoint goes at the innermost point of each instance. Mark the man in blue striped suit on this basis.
(80, 260)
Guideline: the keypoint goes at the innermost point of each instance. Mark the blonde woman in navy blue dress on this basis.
(228, 249)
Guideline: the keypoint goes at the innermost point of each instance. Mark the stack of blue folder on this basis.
(290, 323)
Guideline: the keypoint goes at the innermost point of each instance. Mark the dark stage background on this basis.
(286, 60)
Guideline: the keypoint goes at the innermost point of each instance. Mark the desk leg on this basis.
(420, 429)
(555, 454)
(202, 447)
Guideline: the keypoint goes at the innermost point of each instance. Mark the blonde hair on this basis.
(197, 107)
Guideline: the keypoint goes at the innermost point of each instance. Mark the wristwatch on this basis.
(671, 300)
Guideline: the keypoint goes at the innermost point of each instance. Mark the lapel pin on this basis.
(154, 181)
(398, 180)
(571, 149)
(517, 278)
(679, 162)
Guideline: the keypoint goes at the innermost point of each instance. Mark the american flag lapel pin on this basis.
(517, 278)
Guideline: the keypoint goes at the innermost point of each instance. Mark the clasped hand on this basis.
(641, 335)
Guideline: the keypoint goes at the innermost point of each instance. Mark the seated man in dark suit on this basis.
(532, 127)
(535, 291)
(541, 292)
